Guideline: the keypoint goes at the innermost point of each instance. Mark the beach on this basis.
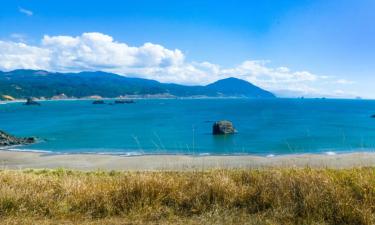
(87, 162)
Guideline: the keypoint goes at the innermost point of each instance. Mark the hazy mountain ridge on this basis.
(236, 87)
(38, 83)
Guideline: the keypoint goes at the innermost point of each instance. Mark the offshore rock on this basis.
(8, 140)
(223, 127)
(30, 101)
(98, 102)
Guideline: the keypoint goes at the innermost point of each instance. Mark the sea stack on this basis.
(124, 101)
(98, 102)
(30, 101)
(223, 127)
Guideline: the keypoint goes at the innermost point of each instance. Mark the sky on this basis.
(309, 48)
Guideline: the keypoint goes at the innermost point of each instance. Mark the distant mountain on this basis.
(237, 87)
(38, 83)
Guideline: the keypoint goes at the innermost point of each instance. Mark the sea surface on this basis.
(183, 126)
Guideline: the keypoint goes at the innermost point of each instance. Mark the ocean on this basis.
(266, 127)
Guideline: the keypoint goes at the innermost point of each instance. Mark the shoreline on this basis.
(87, 162)
(2, 102)
(132, 153)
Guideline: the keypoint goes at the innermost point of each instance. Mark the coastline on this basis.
(127, 97)
(37, 160)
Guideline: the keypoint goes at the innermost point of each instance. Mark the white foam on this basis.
(26, 150)
(117, 153)
(204, 154)
(330, 153)
(133, 153)
(270, 155)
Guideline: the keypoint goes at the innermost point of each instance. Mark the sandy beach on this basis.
(23, 160)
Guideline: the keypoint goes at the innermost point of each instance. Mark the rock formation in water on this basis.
(223, 127)
(30, 101)
(8, 140)
(98, 102)
(123, 101)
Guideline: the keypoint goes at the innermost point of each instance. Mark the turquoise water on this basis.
(265, 127)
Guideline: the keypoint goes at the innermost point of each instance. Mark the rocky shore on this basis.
(9, 140)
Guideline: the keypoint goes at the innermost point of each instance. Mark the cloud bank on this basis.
(97, 51)
(26, 11)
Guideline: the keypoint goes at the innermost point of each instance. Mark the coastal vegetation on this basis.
(264, 196)
(21, 84)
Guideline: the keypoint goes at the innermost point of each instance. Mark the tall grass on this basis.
(272, 196)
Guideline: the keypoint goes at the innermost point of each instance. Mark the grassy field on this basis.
(270, 196)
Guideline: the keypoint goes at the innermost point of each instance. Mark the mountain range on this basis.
(39, 83)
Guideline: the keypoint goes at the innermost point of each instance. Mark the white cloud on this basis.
(344, 81)
(26, 11)
(18, 37)
(97, 51)
(21, 56)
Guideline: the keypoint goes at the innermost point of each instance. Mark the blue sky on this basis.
(305, 47)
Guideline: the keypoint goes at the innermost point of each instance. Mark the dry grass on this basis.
(272, 196)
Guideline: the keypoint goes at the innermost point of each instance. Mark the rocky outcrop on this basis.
(7, 98)
(31, 101)
(98, 102)
(124, 101)
(223, 127)
(96, 97)
(60, 97)
(8, 140)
